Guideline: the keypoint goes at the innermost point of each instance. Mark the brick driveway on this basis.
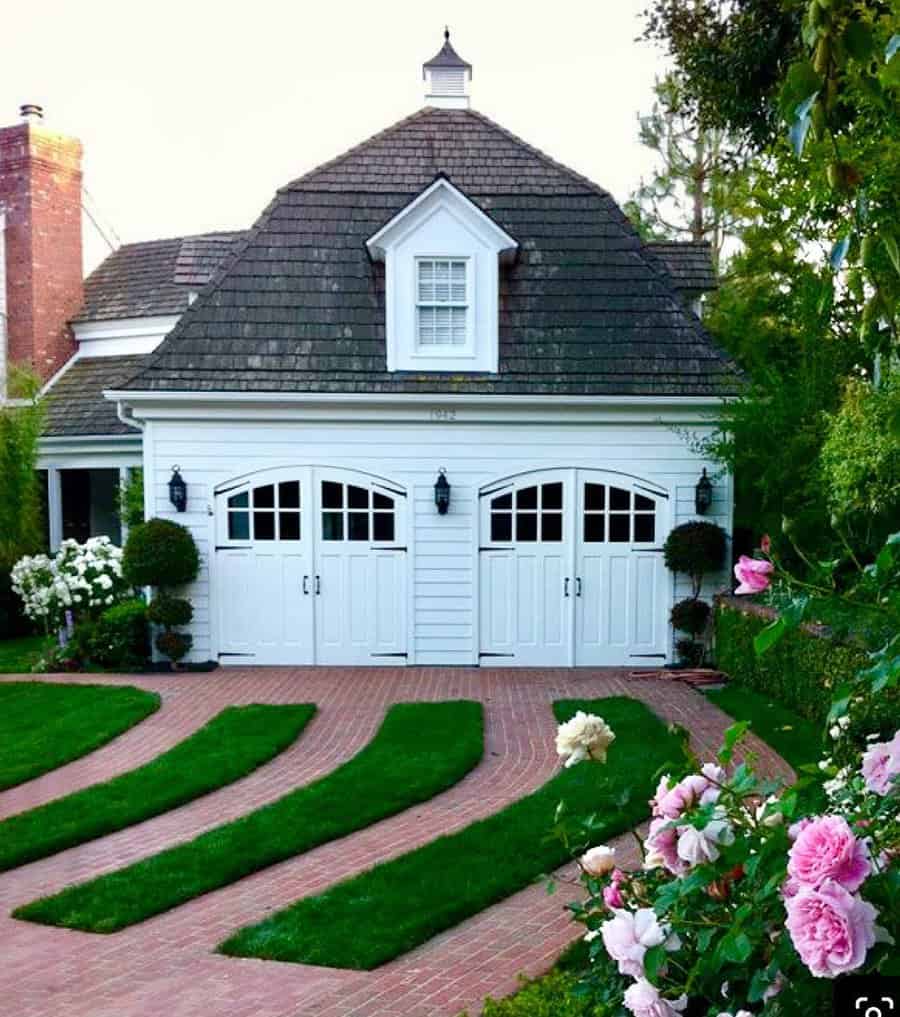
(165, 967)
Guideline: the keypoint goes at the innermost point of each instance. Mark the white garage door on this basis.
(571, 570)
(311, 568)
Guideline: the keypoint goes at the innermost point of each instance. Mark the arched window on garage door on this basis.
(268, 512)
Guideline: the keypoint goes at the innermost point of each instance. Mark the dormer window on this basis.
(443, 305)
(442, 258)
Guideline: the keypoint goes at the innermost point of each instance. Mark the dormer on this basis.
(442, 258)
(446, 76)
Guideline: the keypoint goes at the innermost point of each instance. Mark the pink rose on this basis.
(661, 847)
(830, 928)
(752, 574)
(827, 849)
(629, 935)
(644, 1000)
(881, 764)
(612, 894)
(695, 789)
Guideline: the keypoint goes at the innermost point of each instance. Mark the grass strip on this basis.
(19, 655)
(420, 750)
(795, 739)
(394, 907)
(234, 742)
(45, 725)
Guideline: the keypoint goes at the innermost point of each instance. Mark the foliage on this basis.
(161, 553)
(861, 460)
(43, 726)
(686, 196)
(403, 902)
(21, 520)
(82, 579)
(231, 745)
(131, 499)
(420, 750)
(696, 549)
(553, 995)
(690, 652)
(174, 645)
(19, 655)
(170, 611)
(690, 615)
(119, 640)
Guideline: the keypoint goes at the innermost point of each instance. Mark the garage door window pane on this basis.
(357, 497)
(594, 529)
(263, 525)
(289, 494)
(552, 496)
(619, 499)
(527, 498)
(381, 501)
(241, 500)
(358, 528)
(526, 526)
(642, 504)
(594, 497)
(619, 528)
(289, 526)
(501, 526)
(551, 526)
(383, 526)
(332, 494)
(502, 501)
(332, 526)
(644, 528)
(264, 497)
(239, 525)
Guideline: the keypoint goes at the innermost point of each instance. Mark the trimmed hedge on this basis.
(801, 671)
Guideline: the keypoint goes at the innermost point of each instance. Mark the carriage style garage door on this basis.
(572, 571)
(311, 569)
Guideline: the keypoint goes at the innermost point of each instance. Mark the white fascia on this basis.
(404, 220)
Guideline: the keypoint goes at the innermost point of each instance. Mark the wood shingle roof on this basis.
(299, 306)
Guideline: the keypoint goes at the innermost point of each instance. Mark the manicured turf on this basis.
(234, 742)
(43, 725)
(393, 907)
(420, 750)
(794, 738)
(18, 656)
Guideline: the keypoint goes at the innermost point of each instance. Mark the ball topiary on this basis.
(160, 553)
(695, 549)
(173, 645)
(170, 611)
(690, 615)
(690, 654)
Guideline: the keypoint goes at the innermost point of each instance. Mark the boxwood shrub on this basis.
(801, 671)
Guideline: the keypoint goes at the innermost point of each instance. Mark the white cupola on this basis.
(447, 76)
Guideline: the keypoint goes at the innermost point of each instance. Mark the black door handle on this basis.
(306, 586)
(318, 586)
(578, 586)
(566, 587)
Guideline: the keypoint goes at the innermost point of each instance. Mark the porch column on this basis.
(124, 478)
(54, 506)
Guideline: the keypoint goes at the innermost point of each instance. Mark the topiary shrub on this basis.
(169, 611)
(160, 553)
(163, 554)
(696, 549)
(121, 637)
(690, 615)
(690, 653)
(174, 645)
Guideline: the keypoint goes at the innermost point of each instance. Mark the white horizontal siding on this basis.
(442, 549)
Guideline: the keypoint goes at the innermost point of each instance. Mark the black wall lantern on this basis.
(178, 490)
(703, 493)
(442, 492)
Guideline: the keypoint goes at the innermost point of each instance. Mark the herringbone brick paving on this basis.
(165, 966)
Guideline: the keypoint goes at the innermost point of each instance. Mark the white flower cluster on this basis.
(584, 736)
(80, 577)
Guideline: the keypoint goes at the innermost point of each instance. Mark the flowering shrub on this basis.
(81, 578)
(753, 896)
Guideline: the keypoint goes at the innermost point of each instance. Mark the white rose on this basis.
(599, 860)
(698, 846)
(765, 816)
(585, 735)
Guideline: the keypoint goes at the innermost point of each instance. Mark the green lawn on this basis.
(17, 656)
(420, 750)
(234, 742)
(795, 739)
(44, 725)
(393, 907)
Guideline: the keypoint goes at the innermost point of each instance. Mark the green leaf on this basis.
(732, 737)
(769, 636)
(736, 947)
(801, 85)
(859, 40)
(840, 702)
(890, 243)
(890, 74)
(654, 961)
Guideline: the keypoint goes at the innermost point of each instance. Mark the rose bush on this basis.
(83, 579)
(753, 896)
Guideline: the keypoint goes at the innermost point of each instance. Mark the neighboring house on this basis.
(441, 305)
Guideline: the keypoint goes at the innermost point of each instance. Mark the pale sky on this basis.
(192, 113)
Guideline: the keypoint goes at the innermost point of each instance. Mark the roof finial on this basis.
(446, 33)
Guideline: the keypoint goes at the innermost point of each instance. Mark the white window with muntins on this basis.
(442, 305)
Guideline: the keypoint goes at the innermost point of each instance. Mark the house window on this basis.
(615, 515)
(356, 513)
(269, 512)
(442, 306)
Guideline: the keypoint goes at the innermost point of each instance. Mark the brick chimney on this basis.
(40, 244)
